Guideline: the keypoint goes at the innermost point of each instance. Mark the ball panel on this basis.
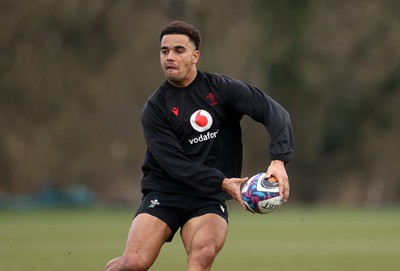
(261, 195)
(270, 205)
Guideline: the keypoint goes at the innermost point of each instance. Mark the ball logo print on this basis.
(201, 120)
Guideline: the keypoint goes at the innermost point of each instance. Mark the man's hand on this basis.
(277, 169)
(233, 187)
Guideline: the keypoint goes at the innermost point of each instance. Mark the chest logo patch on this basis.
(201, 120)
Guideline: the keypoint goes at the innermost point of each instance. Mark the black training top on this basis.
(193, 134)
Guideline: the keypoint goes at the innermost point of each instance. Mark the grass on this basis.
(290, 239)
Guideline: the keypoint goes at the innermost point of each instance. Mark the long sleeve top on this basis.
(194, 138)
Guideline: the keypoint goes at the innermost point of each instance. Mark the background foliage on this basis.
(74, 76)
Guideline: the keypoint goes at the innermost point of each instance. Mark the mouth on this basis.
(170, 67)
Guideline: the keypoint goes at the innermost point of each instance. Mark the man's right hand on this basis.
(233, 187)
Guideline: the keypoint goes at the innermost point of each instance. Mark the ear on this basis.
(195, 56)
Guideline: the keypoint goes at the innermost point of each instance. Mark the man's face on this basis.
(178, 57)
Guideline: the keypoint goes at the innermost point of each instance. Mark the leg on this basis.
(145, 239)
(203, 237)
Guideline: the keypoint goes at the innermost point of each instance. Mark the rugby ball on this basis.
(261, 195)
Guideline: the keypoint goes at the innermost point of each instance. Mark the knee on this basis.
(203, 255)
(131, 264)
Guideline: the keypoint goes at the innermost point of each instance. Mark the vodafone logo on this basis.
(201, 120)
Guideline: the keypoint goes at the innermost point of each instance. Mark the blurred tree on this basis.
(74, 76)
(333, 63)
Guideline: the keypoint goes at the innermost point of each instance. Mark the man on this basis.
(193, 162)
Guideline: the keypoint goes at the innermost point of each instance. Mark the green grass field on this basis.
(291, 239)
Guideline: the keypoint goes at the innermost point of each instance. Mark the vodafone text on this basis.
(203, 137)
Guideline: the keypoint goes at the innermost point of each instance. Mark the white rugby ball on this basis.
(261, 195)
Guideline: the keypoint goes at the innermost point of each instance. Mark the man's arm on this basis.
(251, 101)
(248, 100)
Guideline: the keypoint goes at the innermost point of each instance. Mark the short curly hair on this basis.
(182, 28)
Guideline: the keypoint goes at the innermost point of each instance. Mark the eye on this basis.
(164, 51)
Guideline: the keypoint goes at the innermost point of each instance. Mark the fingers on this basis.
(243, 206)
(233, 187)
(239, 192)
(277, 169)
(250, 210)
(284, 189)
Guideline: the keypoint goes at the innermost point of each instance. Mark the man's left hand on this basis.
(277, 169)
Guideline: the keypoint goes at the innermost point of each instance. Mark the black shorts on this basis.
(175, 210)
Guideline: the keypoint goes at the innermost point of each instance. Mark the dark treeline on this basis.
(74, 76)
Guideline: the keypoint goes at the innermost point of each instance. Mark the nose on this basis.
(170, 56)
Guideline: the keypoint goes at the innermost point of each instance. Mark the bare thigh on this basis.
(203, 237)
(145, 239)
